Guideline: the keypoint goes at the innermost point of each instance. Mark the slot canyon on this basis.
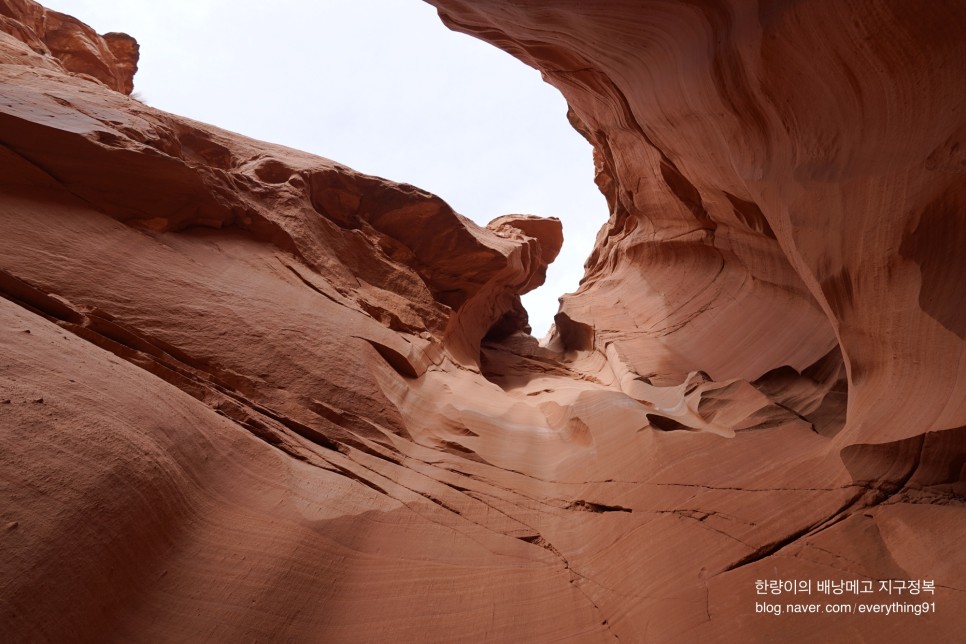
(252, 394)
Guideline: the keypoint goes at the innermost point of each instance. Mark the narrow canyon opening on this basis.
(385, 88)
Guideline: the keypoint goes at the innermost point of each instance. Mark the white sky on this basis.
(381, 86)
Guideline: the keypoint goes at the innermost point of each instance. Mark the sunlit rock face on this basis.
(247, 393)
(785, 179)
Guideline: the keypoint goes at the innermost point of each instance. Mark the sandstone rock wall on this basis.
(37, 36)
(783, 178)
(247, 393)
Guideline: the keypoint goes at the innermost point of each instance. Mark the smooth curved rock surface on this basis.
(787, 171)
(247, 393)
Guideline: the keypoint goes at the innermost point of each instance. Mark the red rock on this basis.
(286, 400)
(111, 59)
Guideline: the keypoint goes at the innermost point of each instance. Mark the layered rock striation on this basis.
(250, 393)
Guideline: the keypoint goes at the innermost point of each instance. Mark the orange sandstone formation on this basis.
(249, 393)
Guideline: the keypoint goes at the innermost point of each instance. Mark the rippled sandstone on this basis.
(246, 392)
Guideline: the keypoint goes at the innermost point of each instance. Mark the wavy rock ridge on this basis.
(246, 392)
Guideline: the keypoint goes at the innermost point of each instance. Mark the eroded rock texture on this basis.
(247, 393)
